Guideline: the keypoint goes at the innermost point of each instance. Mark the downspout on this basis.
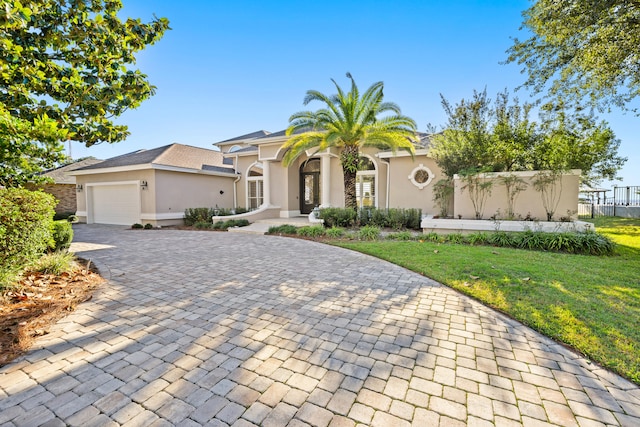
(235, 192)
(388, 163)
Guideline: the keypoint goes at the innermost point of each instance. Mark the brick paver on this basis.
(229, 329)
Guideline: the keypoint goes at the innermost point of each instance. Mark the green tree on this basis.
(483, 135)
(582, 50)
(20, 157)
(499, 137)
(66, 65)
(348, 122)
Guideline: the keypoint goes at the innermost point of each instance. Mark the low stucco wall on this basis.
(528, 202)
(466, 226)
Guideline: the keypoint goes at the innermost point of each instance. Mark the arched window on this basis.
(255, 186)
(366, 183)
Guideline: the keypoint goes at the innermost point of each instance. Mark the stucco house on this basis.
(386, 180)
(153, 186)
(156, 186)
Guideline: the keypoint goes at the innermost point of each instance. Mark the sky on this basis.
(228, 68)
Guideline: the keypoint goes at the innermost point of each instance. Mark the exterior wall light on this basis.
(78, 187)
(143, 185)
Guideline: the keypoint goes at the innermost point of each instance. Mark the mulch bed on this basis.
(30, 309)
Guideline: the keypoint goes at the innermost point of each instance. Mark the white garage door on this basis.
(116, 204)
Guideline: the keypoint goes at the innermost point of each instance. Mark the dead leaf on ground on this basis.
(474, 277)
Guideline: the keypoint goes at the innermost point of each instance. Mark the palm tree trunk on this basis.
(350, 159)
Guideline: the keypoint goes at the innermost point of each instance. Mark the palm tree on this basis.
(349, 122)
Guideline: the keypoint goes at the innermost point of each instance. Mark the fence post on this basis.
(615, 194)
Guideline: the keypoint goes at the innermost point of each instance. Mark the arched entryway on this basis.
(310, 185)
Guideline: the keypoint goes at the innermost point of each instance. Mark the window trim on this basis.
(412, 176)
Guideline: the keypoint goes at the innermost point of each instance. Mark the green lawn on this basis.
(590, 303)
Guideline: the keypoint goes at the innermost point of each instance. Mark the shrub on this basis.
(148, 226)
(62, 235)
(283, 229)
(55, 263)
(311, 231)
(531, 240)
(369, 232)
(26, 229)
(335, 232)
(62, 215)
(502, 238)
(201, 225)
(454, 238)
(193, 215)
(236, 223)
(240, 210)
(137, 226)
(402, 235)
(219, 225)
(433, 237)
(72, 218)
(479, 238)
(338, 217)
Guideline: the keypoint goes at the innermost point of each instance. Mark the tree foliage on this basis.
(500, 136)
(348, 122)
(65, 73)
(582, 50)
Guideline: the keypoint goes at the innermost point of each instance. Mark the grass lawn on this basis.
(588, 302)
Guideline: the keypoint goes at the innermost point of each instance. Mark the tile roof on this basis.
(176, 155)
(59, 174)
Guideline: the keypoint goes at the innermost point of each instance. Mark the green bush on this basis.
(338, 217)
(311, 231)
(202, 225)
(62, 235)
(218, 225)
(283, 229)
(55, 263)
(502, 238)
(148, 226)
(369, 232)
(236, 223)
(137, 226)
(193, 215)
(335, 232)
(433, 237)
(454, 238)
(479, 238)
(402, 235)
(26, 230)
(62, 215)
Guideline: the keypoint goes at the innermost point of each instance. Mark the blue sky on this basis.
(232, 67)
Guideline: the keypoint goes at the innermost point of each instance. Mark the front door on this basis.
(309, 186)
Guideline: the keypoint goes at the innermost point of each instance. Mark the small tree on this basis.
(442, 194)
(479, 189)
(514, 186)
(549, 184)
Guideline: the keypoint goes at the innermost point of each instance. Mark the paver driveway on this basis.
(231, 329)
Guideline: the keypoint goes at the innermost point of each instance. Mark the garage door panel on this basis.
(116, 204)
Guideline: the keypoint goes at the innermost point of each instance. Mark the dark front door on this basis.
(309, 191)
(309, 185)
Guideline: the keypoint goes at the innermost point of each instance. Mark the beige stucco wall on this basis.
(244, 162)
(402, 192)
(528, 202)
(177, 191)
(167, 194)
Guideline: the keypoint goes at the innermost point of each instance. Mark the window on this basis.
(366, 183)
(255, 186)
(421, 176)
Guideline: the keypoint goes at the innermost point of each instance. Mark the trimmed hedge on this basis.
(397, 219)
(26, 229)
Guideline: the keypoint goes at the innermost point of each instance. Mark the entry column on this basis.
(266, 183)
(325, 176)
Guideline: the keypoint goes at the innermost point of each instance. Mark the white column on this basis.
(325, 176)
(266, 183)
